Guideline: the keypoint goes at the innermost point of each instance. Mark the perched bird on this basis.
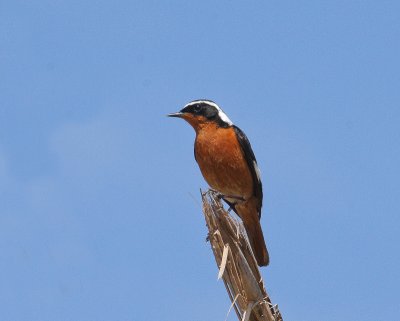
(228, 164)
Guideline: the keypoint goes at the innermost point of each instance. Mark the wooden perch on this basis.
(236, 262)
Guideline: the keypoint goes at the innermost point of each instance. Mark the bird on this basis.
(229, 166)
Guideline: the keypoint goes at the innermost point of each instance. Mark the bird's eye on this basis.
(196, 108)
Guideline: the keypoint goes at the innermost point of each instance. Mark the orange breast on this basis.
(222, 162)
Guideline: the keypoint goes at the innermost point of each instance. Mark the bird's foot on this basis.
(224, 196)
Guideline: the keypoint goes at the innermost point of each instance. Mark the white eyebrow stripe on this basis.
(221, 113)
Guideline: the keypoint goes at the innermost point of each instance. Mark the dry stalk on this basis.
(236, 262)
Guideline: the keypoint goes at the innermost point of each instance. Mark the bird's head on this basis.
(202, 112)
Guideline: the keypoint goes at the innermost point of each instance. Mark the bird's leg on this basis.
(217, 194)
(224, 196)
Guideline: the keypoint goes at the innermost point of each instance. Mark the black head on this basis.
(205, 109)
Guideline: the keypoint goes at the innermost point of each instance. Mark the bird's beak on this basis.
(178, 114)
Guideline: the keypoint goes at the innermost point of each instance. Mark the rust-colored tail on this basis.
(257, 242)
(249, 216)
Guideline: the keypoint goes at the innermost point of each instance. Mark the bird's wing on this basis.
(252, 163)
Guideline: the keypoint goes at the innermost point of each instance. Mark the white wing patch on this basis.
(257, 171)
(221, 113)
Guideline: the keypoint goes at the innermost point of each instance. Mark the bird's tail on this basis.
(251, 222)
(257, 242)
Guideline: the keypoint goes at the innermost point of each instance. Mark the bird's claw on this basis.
(223, 196)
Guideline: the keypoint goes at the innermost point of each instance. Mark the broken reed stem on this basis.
(236, 262)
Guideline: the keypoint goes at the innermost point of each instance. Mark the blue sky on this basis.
(99, 191)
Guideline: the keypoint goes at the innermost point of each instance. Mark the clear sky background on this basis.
(99, 191)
